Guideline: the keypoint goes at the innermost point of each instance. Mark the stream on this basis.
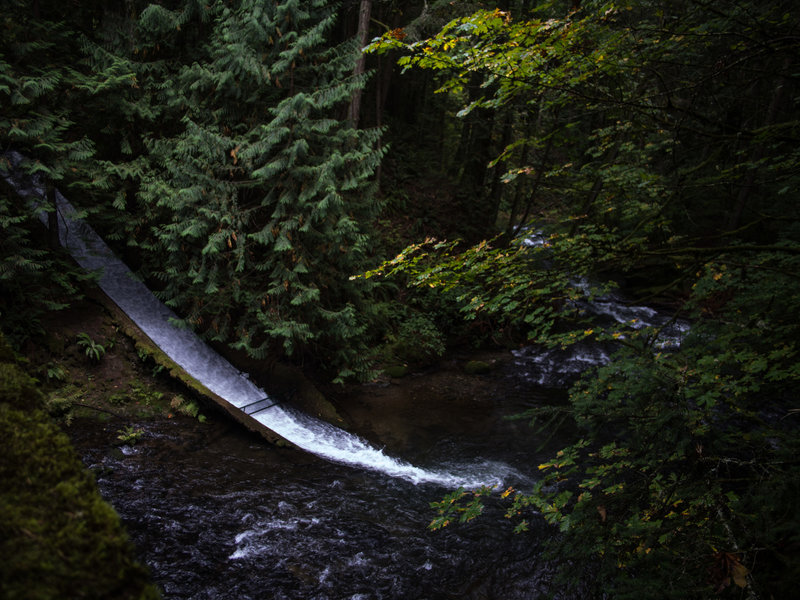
(216, 513)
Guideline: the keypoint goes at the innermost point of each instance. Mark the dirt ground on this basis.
(87, 362)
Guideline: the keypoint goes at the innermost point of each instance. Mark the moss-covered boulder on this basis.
(477, 367)
(17, 388)
(396, 371)
(58, 537)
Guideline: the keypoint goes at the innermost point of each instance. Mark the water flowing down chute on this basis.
(201, 362)
(219, 376)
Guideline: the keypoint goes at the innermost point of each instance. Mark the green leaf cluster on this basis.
(685, 475)
(640, 160)
(94, 351)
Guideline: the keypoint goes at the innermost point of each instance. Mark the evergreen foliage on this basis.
(214, 134)
(258, 197)
(56, 114)
(33, 279)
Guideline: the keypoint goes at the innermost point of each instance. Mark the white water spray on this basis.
(187, 350)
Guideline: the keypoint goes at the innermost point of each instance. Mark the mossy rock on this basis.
(58, 537)
(17, 388)
(477, 367)
(396, 371)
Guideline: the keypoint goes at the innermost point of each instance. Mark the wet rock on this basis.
(396, 371)
(304, 394)
(478, 367)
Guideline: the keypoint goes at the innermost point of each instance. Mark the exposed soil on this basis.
(104, 376)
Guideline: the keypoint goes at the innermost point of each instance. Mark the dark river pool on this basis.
(217, 513)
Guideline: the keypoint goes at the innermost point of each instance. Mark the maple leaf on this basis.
(727, 569)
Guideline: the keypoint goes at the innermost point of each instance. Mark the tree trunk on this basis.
(496, 193)
(536, 183)
(354, 111)
(748, 183)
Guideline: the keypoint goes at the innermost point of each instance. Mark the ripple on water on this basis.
(297, 529)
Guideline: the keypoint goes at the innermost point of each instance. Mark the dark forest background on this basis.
(295, 199)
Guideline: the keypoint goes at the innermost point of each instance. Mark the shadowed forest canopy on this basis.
(295, 199)
(212, 142)
(653, 146)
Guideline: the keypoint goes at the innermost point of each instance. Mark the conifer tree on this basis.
(259, 188)
(48, 93)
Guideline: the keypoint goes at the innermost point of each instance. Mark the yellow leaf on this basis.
(739, 573)
(603, 514)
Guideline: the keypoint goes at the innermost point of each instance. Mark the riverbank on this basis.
(58, 538)
(91, 366)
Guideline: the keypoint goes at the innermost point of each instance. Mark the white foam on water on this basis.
(184, 347)
(337, 445)
(252, 542)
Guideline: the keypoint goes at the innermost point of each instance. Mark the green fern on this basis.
(93, 350)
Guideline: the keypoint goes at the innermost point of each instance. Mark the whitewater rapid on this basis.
(219, 376)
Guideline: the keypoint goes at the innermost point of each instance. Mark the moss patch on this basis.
(58, 537)
(396, 371)
(477, 367)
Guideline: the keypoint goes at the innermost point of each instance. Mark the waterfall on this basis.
(202, 363)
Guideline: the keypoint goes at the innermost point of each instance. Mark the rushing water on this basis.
(216, 513)
(558, 368)
(209, 368)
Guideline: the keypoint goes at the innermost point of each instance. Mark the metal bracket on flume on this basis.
(259, 406)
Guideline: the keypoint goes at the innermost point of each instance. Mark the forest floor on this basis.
(105, 373)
